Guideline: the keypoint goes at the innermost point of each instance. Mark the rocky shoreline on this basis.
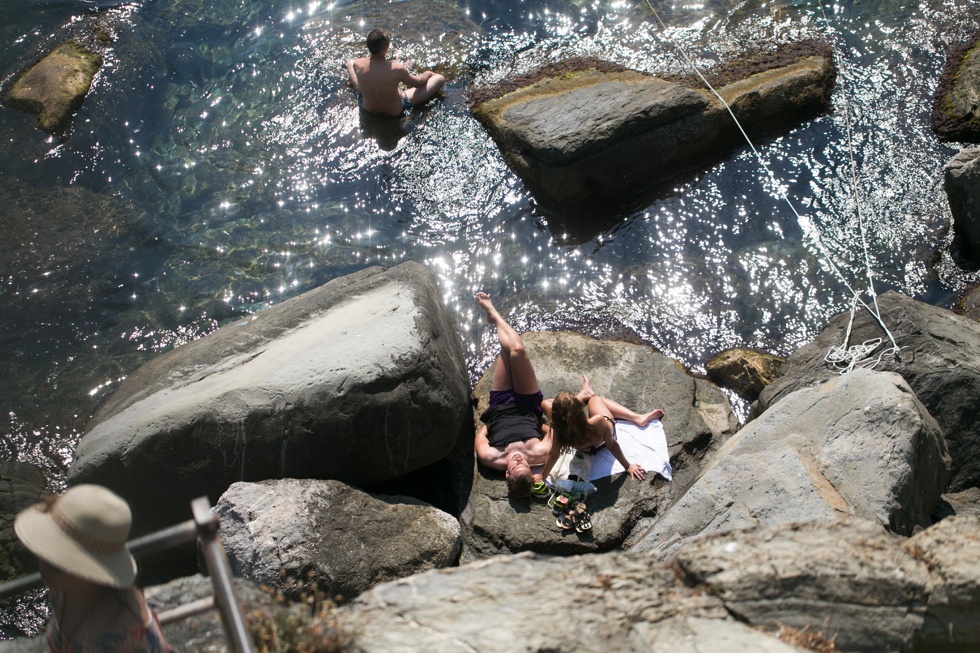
(842, 516)
(823, 515)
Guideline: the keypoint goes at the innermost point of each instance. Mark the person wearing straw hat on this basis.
(80, 541)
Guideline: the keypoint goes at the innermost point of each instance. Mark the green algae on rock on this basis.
(956, 104)
(53, 88)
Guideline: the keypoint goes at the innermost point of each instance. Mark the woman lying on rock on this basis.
(573, 429)
(514, 437)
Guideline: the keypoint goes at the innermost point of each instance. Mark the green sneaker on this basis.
(540, 490)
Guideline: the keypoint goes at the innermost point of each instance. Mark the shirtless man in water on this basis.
(377, 78)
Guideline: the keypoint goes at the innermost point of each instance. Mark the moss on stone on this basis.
(946, 122)
(756, 61)
(487, 111)
(565, 69)
(748, 64)
(54, 87)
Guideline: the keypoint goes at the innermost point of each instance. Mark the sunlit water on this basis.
(221, 166)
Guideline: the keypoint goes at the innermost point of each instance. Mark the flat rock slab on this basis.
(54, 87)
(293, 534)
(586, 134)
(859, 445)
(698, 417)
(940, 361)
(849, 581)
(361, 380)
(604, 602)
(951, 550)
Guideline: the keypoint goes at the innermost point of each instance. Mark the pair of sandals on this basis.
(575, 517)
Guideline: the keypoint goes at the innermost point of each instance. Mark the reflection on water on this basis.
(250, 176)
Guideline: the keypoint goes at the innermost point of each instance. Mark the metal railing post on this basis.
(220, 572)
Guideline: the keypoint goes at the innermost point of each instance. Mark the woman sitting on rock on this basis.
(80, 540)
(573, 429)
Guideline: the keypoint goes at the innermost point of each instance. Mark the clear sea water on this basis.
(219, 165)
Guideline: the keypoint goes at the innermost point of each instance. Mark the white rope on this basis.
(842, 357)
(858, 355)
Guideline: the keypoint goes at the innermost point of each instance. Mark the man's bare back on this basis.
(378, 80)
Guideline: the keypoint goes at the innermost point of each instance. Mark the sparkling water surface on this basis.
(220, 165)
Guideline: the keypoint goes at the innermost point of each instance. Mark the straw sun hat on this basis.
(83, 532)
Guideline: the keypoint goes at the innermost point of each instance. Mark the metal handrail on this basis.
(204, 525)
(166, 538)
(220, 572)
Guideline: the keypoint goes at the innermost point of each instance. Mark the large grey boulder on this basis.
(940, 360)
(698, 417)
(860, 445)
(601, 602)
(962, 183)
(53, 88)
(360, 380)
(294, 534)
(580, 134)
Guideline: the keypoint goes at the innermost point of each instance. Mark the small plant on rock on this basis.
(307, 626)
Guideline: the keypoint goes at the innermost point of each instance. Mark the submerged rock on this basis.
(290, 533)
(21, 486)
(859, 445)
(591, 129)
(744, 371)
(698, 417)
(940, 360)
(53, 88)
(956, 104)
(969, 303)
(360, 380)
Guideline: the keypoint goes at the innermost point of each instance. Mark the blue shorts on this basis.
(406, 106)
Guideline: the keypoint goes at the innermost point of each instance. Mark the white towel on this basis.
(646, 446)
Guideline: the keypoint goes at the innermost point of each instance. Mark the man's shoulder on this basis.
(397, 65)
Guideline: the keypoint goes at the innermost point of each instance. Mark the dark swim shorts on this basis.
(512, 417)
(531, 401)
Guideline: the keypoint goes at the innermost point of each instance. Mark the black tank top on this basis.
(509, 423)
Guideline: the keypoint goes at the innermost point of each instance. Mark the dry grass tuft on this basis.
(307, 626)
(803, 638)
